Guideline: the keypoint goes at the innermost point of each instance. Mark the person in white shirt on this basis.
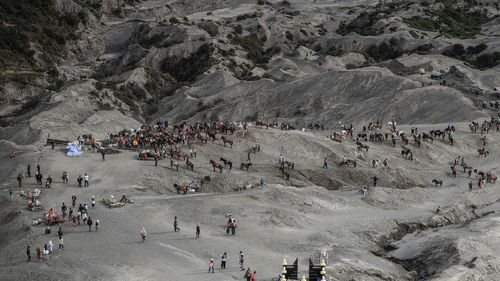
(86, 180)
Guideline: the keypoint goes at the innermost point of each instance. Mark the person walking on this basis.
(248, 156)
(175, 225)
(38, 168)
(19, 179)
(233, 227)
(223, 260)
(60, 233)
(198, 230)
(11, 195)
(28, 253)
(89, 223)
(79, 180)
(375, 179)
(262, 182)
(248, 274)
(96, 223)
(470, 185)
(103, 153)
(38, 254)
(211, 265)
(50, 246)
(86, 179)
(73, 200)
(325, 164)
(143, 234)
(61, 243)
(254, 276)
(156, 160)
(63, 210)
(242, 260)
(28, 171)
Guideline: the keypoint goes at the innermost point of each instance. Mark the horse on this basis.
(192, 152)
(224, 140)
(189, 165)
(361, 146)
(472, 128)
(203, 139)
(212, 136)
(226, 163)
(173, 163)
(405, 152)
(436, 182)
(483, 152)
(284, 174)
(180, 155)
(491, 178)
(216, 165)
(290, 164)
(179, 188)
(256, 148)
(363, 136)
(417, 141)
(404, 139)
(348, 162)
(245, 165)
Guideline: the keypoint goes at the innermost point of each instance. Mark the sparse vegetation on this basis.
(385, 50)
(255, 49)
(362, 25)
(469, 55)
(31, 104)
(35, 21)
(450, 21)
(187, 69)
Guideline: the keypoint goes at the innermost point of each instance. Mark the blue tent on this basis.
(73, 150)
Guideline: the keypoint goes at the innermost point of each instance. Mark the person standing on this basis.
(175, 225)
(198, 230)
(96, 224)
(86, 179)
(248, 156)
(470, 185)
(262, 182)
(19, 179)
(375, 179)
(60, 233)
(89, 223)
(11, 195)
(61, 243)
(63, 210)
(143, 234)
(38, 168)
(233, 227)
(211, 265)
(254, 276)
(79, 180)
(223, 260)
(38, 254)
(103, 153)
(73, 200)
(248, 274)
(242, 260)
(156, 160)
(28, 253)
(28, 171)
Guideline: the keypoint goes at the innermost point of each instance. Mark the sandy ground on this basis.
(283, 220)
